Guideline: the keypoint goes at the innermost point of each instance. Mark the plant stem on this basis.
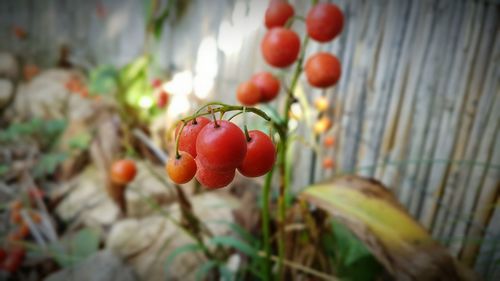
(225, 108)
(283, 132)
(265, 223)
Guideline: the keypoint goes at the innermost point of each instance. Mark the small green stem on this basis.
(178, 137)
(265, 223)
(226, 108)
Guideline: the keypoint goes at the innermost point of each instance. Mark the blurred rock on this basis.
(102, 266)
(146, 243)
(46, 96)
(9, 67)
(6, 91)
(86, 199)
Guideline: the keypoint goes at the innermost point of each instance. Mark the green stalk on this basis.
(290, 99)
(265, 224)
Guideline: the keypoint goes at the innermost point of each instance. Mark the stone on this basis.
(102, 266)
(147, 243)
(9, 67)
(6, 91)
(86, 199)
(46, 96)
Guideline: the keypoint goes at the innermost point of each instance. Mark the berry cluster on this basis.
(213, 151)
(281, 46)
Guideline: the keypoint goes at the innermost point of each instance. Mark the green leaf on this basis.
(349, 247)
(85, 242)
(226, 274)
(80, 141)
(77, 248)
(181, 250)
(204, 269)
(3, 169)
(233, 242)
(103, 80)
(48, 163)
(238, 229)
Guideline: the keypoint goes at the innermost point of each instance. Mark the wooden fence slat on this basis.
(450, 122)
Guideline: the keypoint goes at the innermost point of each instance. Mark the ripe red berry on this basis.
(181, 169)
(248, 93)
(278, 12)
(323, 70)
(3, 255)
(213, 179)
(221, 147)
(268, 84)
(162, 99)
(280, 47)
(123, 171)
(324, 22)
(260, 157)
(156, 83)
(14, 259)
(187, 141)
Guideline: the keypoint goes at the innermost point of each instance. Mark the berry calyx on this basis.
(187, 139)
(278, 12)
(181, 169)
(221, 146)
(248, 94)
(280, 47)
(260, 157)
(268, 85)
(324, 22)
(323, 70)
(123, 171)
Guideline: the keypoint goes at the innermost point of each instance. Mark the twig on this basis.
(157, 151)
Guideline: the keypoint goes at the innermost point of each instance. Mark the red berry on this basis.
(187, 141)
(213, 179)
(324, 22)
(181, 169)
(280, 47)
(323, 70)
(3, 255)
(278, 12)
(221, 147)
(260, 157)
(123, 171)
(268, 84)
(248, 94)
(162, 99)
(156, 83)
(14, 259)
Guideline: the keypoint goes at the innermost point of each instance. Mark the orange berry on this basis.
(23, 230)
(123, 171)
(322, 125)
(321, 104)
(15, 216)
(329, 141)
(181, 169)
(328, 163)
